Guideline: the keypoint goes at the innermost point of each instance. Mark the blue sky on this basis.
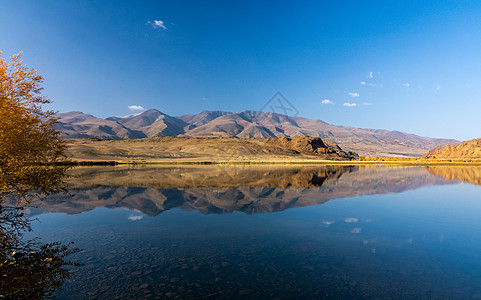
(413, 66)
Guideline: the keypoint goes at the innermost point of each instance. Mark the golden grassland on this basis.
(227, 151)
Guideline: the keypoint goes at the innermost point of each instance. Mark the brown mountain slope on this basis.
(247, 124)
(76, 124)
(369, 142)
(205, 149)
(153, 123)
(464, 150)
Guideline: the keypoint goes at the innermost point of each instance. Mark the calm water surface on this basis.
(269, 232)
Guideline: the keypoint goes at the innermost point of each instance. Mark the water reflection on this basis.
(29, 269)
(421, 231)
(34, 270)
(248, 189)
(467, 174)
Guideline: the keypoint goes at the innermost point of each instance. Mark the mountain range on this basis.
(247, 124)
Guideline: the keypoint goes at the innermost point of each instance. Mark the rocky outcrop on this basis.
(465, 150)
(311, 145)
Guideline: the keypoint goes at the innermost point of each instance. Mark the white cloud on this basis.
(326, 101)
(354, 95)
(363, 83)
(370, 75)
(406, 84)
(438, 87)
(158, 24)
(367, 103)
(356, 230)
(204, 98)
(327, 222)
(351, 220)
(349, 104)
(136, 218)
(136, 107)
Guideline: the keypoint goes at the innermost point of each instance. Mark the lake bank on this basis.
(265, 162)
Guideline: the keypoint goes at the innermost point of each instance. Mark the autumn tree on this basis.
(30, 153)
(30, 148)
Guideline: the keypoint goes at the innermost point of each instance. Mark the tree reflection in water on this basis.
(30, 269)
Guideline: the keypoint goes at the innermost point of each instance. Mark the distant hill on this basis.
(153, 123)
(76, 124)
(464, 150)
(247, 124)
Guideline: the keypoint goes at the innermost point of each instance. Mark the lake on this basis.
(269, 232)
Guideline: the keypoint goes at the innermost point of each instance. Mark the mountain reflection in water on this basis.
(225, 189)
(391, 245)
(467, 174)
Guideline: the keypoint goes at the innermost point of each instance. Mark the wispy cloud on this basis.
(370, 75)
(356, 230)
(158, 24)
(367, 103)
(349, 104)
(438, 87)
(326, 101)
(204, 98)
(354, 95)
(363, 83)
(135, 218)
(136, 107)
(328, 222)
(351, 220)
(406, 84)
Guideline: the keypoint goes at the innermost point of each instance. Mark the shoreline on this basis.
(266, 162)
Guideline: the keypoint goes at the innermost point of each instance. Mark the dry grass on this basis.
(187, 151)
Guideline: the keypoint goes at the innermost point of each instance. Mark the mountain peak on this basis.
(74, 117)
(151, 112)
